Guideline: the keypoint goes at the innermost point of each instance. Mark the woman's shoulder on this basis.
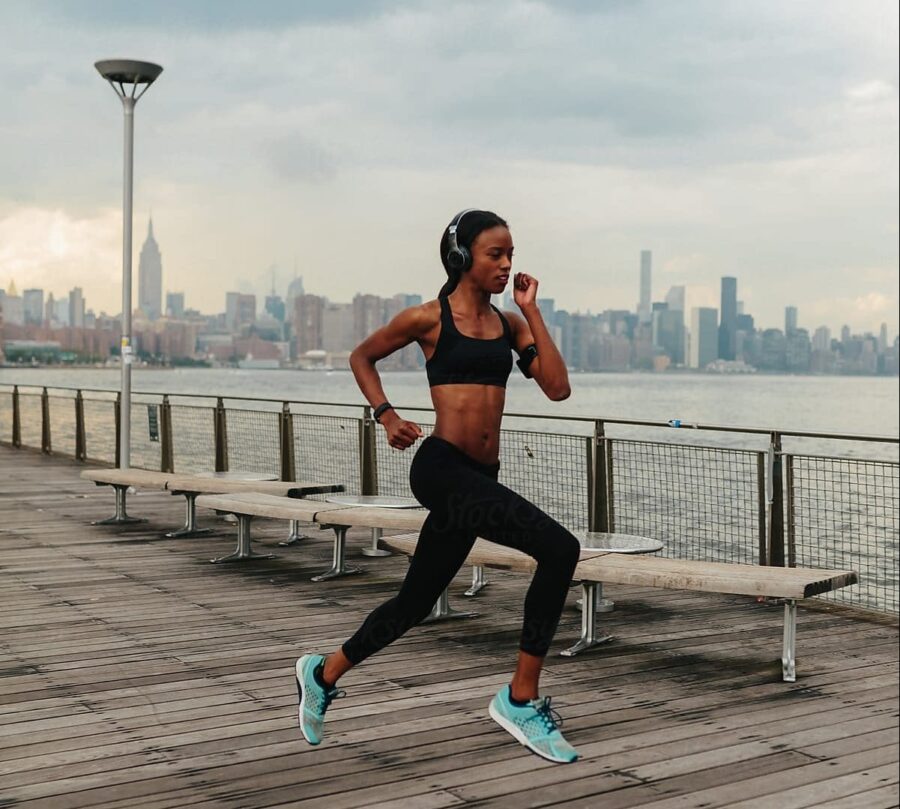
(423, 317)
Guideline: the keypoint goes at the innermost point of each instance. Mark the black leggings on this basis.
(466, 501)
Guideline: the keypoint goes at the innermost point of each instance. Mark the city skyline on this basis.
(758, 142)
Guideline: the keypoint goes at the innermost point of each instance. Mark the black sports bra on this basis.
(462, 360)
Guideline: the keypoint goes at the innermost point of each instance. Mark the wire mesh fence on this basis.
(30, 419)
(843, 514)
(703, 502)
(193, 438)
(327, 448)
(100, 429)
(393, 464)
(6, 416)
(62, 423)
(550, 470)
(146, 448)
(253, 441)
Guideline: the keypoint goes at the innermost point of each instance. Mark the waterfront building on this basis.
(704, 336)
(790, 319)
(33, 305)
(76, 308)
(240, 310)
(728, 322)
(150, 277)
(175, 304)
(644, 310)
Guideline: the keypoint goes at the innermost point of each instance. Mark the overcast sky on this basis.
(754, 139)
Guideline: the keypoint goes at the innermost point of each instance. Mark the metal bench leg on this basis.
(442, 611)
(294, 536)
(375, 550)
(788, 659)
(590, 591)
(603, 604)
(338, 565)
(243, 550)
(479, 582)
(121, 516)
(190, 521)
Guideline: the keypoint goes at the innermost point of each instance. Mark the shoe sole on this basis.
(520, 737)
(301, 693)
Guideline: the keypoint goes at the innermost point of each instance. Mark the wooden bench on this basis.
(190, 487)
(597, 567)
(338, 517)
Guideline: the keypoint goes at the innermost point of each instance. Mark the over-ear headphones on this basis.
(458, 258)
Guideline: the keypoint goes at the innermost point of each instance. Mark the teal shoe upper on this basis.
(538, 724)
(315, 698)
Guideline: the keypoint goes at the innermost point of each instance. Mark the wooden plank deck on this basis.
(136, 674)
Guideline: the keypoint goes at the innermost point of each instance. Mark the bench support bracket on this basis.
(339, 561)
(243, 550)
(590, 596)
(190, 519)
(788, 654)
(442, 611)
(479, 582)
(121, 516)
(294, 536)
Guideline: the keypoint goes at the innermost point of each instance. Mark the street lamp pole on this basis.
(125, 76)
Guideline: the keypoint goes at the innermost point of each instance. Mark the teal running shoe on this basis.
(314, 698)
(536, 725)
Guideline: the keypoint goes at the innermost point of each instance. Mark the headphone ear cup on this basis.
(459, 259)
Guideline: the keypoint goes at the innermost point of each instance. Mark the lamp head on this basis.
(128, 71)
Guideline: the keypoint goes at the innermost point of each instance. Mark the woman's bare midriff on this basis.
(469, 416)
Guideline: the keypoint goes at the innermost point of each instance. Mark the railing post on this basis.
(167, 456)
(80, 442)
(221, 435)
(17, 419)
(286, 438)
(762, 506)
(598, 509)
(791, 528)
(45, 422)
(775, 496)
(368, 464)
(610, 489)
(118, 408)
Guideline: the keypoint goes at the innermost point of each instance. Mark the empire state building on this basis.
(150, 278)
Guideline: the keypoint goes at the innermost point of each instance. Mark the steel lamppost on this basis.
(126, 76)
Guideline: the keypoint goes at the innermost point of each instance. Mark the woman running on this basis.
(468, 346)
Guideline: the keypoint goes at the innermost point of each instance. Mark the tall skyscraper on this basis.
(704, 336)
(822, 339)
(790, 319)
(675, 299)
(76, 308)
(33, 300)
(644, 311)
(882, 338)
(150, 277)
(728, 323)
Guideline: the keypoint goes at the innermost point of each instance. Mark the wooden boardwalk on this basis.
(135, 674)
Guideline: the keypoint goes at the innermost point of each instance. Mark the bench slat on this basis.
(265, 505)
(654, 571)
(179, 484)
(144, 478)
(367, 517)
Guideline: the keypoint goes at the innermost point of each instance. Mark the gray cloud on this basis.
(762, 136)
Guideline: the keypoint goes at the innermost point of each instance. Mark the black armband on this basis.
(526, 357)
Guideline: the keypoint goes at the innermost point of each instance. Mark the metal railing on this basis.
(706, 498)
